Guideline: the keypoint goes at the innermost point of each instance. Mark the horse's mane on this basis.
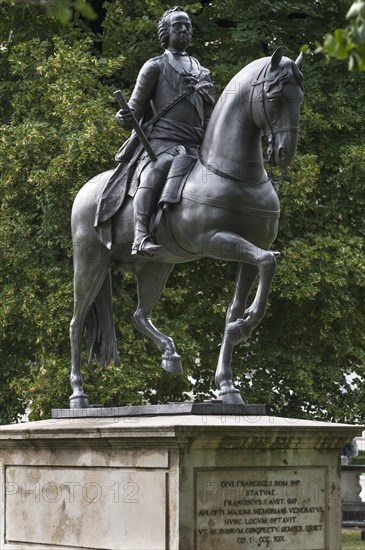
(254, 73)
(289, 70)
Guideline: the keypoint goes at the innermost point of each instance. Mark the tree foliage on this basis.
(306, 359)
(349, 42)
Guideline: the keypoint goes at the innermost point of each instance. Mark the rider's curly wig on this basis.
(163, 26)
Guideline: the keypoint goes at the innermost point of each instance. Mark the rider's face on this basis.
(180, 32)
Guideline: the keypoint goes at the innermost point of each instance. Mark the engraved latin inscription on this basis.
(261, 508)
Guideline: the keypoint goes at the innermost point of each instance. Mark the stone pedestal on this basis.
(178, 482)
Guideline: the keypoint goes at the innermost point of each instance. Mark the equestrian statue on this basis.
(190, 183)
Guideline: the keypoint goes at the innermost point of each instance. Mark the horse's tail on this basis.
(99, 325)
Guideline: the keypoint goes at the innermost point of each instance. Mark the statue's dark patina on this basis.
(227, 209)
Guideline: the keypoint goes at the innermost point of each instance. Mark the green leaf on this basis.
(356, 10)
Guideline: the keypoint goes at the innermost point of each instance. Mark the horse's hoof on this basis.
(172, 363)
(231, 396)
(79, 402)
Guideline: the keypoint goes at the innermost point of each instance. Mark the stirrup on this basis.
(146, 247)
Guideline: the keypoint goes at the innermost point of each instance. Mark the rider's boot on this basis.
(144, 205)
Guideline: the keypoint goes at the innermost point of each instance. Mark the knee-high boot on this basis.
(144, 205)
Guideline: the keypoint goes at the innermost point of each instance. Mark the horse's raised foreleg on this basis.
(223, 376)
(91, 264)
(151, 280)
(232, 247)
(241, 328)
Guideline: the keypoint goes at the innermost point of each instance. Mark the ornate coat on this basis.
(160, 80)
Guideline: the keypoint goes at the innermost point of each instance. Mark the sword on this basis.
(136, 126)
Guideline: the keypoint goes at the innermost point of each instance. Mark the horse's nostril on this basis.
(281, 153)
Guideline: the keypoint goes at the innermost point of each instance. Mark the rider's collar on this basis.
(174, 62)
(176, 52)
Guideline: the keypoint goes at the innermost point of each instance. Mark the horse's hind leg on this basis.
(245, 277)
(91, 265)
(151, 280)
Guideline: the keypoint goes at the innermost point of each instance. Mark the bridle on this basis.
(271, 134)
(260, 80)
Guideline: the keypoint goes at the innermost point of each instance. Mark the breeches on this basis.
(154, 175)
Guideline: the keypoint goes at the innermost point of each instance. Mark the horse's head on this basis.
(276, 99)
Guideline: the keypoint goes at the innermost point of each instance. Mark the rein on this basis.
(227, 176)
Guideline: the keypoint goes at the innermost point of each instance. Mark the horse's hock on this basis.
(180, 482)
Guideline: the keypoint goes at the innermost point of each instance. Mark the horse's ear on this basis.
(276, 57)
(299, 60)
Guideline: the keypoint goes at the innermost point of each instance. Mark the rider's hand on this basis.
(124, 119)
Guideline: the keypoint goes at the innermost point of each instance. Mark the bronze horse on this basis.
(229, 210)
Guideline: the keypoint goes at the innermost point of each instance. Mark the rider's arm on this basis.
(144, 89)
(143, 92)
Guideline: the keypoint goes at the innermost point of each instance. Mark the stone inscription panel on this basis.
(260, 508)
(101, 508)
